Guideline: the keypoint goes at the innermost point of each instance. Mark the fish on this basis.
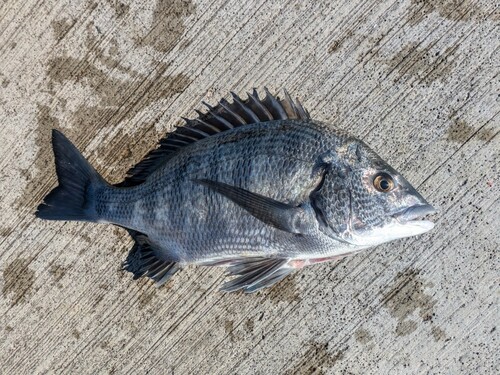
(254, 185)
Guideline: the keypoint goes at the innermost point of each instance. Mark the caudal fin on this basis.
(74, 198)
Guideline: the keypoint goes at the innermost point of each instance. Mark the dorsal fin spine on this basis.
(303, 112)
(194, 130)
(276, 105)
(223, 121)
(224, 104)
(173, 140)
(210, 126)
(245, 108)
(223, 117)
(212, 112)
(185, 136)
(289, 100)
(254, 97)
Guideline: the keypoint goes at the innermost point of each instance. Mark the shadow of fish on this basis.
(254, 185)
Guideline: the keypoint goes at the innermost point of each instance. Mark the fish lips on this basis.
(414, 213)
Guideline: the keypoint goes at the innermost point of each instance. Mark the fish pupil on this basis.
(383, 183)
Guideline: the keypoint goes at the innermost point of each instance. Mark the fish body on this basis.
(254, 185)
(194, 223)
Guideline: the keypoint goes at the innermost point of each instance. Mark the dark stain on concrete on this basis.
(91, 6)
(406, 295)
(229, 329)
(46, 122)
(338, 43)
(406, 327)
(118, 99)
(146, 297)
(43, 157)
(57, 271)
(120, 9)
(438, 333)
(485, 134)
(422, 63)
(168, 24)
(284, 291)
(249, 325)
(61, 27)
(18, 280)
(334, 46)
(453, 10)
(362, 336)
(76, 334)
(460, 132)
(132, 150)
(104, 344)
(66, 68)
(316, 360)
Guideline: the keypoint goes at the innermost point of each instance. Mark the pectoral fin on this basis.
(272, 212)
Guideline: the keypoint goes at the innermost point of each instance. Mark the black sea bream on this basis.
(255, 185)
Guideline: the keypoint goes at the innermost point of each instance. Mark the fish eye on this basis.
(383, 182)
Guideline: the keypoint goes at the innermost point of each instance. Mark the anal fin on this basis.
(142, 261)
(253, 274)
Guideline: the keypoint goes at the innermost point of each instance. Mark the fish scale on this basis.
(255, 185)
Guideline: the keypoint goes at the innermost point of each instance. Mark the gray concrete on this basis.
(417, 80)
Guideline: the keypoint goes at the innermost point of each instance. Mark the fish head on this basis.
(364, 201)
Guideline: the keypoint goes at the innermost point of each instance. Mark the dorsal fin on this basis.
(222, 117)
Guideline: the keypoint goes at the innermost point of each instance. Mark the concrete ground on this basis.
(418, 80)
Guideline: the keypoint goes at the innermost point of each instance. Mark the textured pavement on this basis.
(416, 80)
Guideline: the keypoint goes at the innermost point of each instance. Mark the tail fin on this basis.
(74, 198)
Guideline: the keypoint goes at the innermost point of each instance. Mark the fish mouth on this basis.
(414, 213)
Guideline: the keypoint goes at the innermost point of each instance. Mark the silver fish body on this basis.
(253, 185)
(194, 224)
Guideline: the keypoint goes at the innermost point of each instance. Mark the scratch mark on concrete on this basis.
(5, 232)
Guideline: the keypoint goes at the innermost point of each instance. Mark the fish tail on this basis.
(74, 197)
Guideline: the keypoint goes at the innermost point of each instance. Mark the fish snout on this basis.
(415, 212)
